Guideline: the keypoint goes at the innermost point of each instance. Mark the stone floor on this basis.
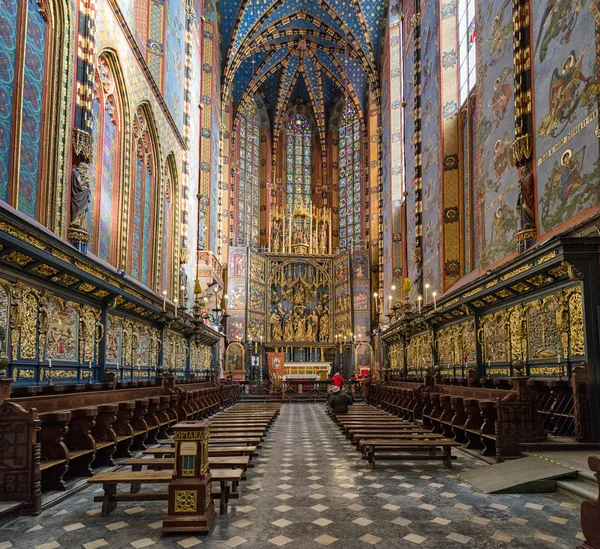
(311, 490)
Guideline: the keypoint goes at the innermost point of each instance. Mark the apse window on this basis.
(466, 47)
(298, 179)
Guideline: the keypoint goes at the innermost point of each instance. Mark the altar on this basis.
(304, 369)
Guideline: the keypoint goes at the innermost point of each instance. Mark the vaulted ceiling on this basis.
(312, 50)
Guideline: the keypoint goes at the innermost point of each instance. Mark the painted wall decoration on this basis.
(432, 151)
(567, 88)
(62, 331)
(496, 180)
(237, 286)
(175, 59)
(175, 353)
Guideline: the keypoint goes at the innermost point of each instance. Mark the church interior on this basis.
(250, 244)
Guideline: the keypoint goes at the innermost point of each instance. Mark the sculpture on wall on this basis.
(526, 200)
(80, 195)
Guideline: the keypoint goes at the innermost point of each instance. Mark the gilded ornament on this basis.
(186, 501)
(491, 283)
(45, 270)
(478, 304)
(66, 279)
(560, 271)
(61, 255)
(577, 336)
(472, 292)
(18, 258)
(14, 231)
(537, 280)
(520, 287)
(547, 257)
(504, 293)
(101, 294)
(85, 287)
(516, 272)
(25, 373)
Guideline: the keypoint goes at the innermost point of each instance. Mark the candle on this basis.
(558, 358)
(90, 364)
(426, 291)
(394, 294)
(376, 302)
(434, 301)
(419, 299)
(164, 300)
(175, 301)
(49, 363)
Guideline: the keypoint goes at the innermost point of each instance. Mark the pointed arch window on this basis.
(350, 187)
(105, 169)
(142, 200)
(466, 47)
(298, 161)
(25, 70)
(248, 203)
(170, 229)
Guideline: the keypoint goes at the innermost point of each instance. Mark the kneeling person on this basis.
(338, 401)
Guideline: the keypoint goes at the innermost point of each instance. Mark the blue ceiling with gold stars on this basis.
(314, 51)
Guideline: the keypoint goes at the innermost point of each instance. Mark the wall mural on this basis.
(496, 180)
(432, 151)
(567, 86)
(299, 304)
(175, 62)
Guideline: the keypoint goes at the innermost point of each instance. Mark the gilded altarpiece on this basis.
(175, 353)
(132, 347)
(419, 353)
(456, 348)
(299, 299)
(257, 297)
(360, 294)
(544, 333)
(200, 358)
(396, 357)
(237, 280)
(343, 297)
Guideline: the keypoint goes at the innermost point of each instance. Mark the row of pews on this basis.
(58, 438)
(493, 420)
(234, 437)
(380, 435)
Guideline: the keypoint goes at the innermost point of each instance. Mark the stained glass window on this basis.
(142, 200)
(350, 179)
(27, 17)
(170, 230)
(248, 187)
(298, 172)
(106, 163)
(466, 47)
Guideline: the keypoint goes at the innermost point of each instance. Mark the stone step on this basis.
(579, 487)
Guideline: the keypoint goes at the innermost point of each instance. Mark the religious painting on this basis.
(567, 91)
(237, 262)
(4, 305)
(62, 336)
(257, 267)
(256, 327)
(237, 296)
(275, 362)
(299, 307)
(174, 69)
(360, 267)
(496, 188)
(235, 359)
(364, 356)
(431, 157)
(236, 328)
(257, 298)
(361, 298)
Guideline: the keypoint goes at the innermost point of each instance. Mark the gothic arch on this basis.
(170, 230)
(108, 170)
(144, 190)
(38, 37)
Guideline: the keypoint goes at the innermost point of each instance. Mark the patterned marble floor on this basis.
(311, 490)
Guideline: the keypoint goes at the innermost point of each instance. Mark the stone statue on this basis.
(323, 238)
(275, 321)
(80, 195)
(183, 287)
(526, 200)
(324, 326)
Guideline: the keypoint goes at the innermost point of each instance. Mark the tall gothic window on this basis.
(350, 195)
(298, 177)
(170, 229)
(248, 203)
(23, 63)
(142, 200)
(105, 169)
(466, 47)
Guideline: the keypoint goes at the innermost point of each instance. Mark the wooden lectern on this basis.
(190, 504)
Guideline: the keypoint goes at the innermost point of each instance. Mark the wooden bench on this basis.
(212, 451)
(214, 462)
(370, 446)
(229, 480)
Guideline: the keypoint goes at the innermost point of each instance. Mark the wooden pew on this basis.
(371, 446)
(228, 479)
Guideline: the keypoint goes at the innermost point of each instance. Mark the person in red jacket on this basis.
(338, 380)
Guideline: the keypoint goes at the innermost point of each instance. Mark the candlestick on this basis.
(426, 291)
(434, 301)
